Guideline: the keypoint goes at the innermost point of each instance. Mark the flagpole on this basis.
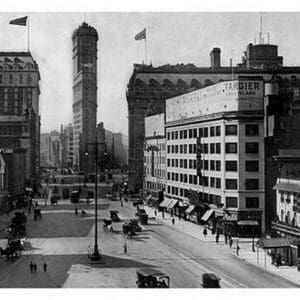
(146, 49)
(28, 36)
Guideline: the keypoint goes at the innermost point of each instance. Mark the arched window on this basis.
(181, 85)
(141, 85)
(168, 85)
(154, 85)
(208, 82)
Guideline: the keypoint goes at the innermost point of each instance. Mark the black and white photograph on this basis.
(149, 150)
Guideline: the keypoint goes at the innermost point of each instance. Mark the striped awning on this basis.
(207, 215)
(172, 203)
(190, 209)
(165, 203)
(288, 187)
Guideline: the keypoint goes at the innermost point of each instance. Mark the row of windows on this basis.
(250, 148)
(251, 165)
(12, 130)
(251, 202)
(11, 78)
(250, 130)
(213, 165)
(182, 163)
(213, 148)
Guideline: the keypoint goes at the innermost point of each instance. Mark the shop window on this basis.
(252, 129)
(231, 148)
(231, 129)
(231, 202)
(231, 165)
(252, 148)
(252, 165)
(252, 184)
(252, 202)
(231, 184)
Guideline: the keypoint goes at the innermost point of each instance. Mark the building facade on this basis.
(84, 57)
(149, 87)
(19, 109)
(67, 146)
(155, 154)
(215, 147)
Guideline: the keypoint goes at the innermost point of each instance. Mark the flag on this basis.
(141, 35)
(20, 21)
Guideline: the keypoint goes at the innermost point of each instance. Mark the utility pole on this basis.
(95, 256)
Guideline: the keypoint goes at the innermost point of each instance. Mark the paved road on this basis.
(183, 257)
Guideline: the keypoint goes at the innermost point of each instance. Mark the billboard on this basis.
(227, 96)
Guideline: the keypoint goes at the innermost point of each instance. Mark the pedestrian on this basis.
(237, 250)
(125, 248)
(121, 203)
(35, 267)
(155, 213)
(36, 203)
(230, 242)
(173, 221)
(76, 211)
(163, 214)
(31, 267)
(29, 209)
(45, 267)
(278, 260)
(205, 232)
(217, 238)
(225, 237)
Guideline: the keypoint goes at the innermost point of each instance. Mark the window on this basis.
(218, 183)
(191, 179)
(231, 201)
(195, 179)
(212, 182)
(168, 149)
(252, 129)
(184, 134)
(252, 165)
(190, 148)
(205, 148)
(205, 132)
(231, 165)
(212, 131)
(181, 148)
(190, 164)
(195, 132)
(10, 78)
(252, 184)
(212, 148)
(185, 148)
(218, 165)
(168, 162)
(252, 202)
(185, 163)
(190, 133)
(176, 148)
(172, 135)
(231, 147)
(181, 163)
(205, 181)
(176, 135)
(206, 165)
(212, 165)
(1, 79)
(231, 129)
(181, 134)
(231, 184)
(252, 148)
(218, 148)
(218, 130)
(200, 132)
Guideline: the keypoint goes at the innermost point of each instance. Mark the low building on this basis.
(155, 156)
(215, 153)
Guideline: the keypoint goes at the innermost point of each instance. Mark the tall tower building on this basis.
(84, 58)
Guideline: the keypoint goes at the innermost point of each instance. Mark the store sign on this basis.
(230, 216)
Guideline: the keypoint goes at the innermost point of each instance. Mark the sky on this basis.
(171, 38)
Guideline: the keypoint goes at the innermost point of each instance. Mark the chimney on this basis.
(215, 58)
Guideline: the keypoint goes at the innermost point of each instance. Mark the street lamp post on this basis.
(95, 256)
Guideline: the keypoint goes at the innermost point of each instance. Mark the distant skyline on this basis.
(171, 38)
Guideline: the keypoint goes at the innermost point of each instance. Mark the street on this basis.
(61, 239)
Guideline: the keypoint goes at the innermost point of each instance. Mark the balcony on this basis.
(288, 229)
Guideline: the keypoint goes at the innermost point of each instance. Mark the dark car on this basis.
(152, 278)
(210, 280)
(114, 215)
(75, 196)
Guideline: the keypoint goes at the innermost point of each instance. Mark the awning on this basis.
(165, 203)
(273, 243)
(190, 209)
(172, 203)
(288, 187)
(247, 223)
(207, 215)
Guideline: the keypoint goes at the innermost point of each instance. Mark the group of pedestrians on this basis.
(33, 267)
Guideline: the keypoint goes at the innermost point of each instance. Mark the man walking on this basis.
(217, 237)
(205, 232)
(230, 242)
(173, 221)
(45, 267)
(31, 267)
(125, 248)
(35, 267)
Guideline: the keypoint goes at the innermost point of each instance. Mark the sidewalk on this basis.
(245, 244)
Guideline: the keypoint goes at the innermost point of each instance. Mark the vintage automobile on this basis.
(13, 249)
(152, 278)
(37, 215)
(107, 225)
(210, 280)
(114, 215)
(143, 218)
